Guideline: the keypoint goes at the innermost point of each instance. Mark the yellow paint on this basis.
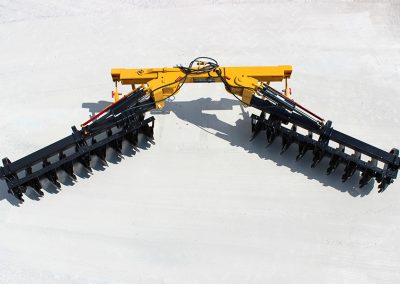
(116, 94)
(243, 80)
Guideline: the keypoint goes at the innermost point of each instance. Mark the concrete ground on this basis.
(202, 205)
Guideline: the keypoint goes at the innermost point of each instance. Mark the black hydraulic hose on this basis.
(285, 115)
(122, 116)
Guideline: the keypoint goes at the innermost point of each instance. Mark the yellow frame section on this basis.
(243, 80)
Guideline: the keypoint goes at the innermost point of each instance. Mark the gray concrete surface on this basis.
(202, 205)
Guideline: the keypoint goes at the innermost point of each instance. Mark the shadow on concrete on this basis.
(81, 172)
(4, 195)
(239, 135)
(96, 107)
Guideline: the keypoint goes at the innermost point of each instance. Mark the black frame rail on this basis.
(123, 120)
(283, 111)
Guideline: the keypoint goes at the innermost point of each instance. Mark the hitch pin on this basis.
(115, 94)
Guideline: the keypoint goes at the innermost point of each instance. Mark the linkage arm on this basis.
(162, 83)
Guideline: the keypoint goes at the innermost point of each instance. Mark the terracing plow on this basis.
(126, 118)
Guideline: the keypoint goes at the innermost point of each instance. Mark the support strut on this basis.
(282, 112)
(123, 120)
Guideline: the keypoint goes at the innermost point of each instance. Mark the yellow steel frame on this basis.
(164, 82)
